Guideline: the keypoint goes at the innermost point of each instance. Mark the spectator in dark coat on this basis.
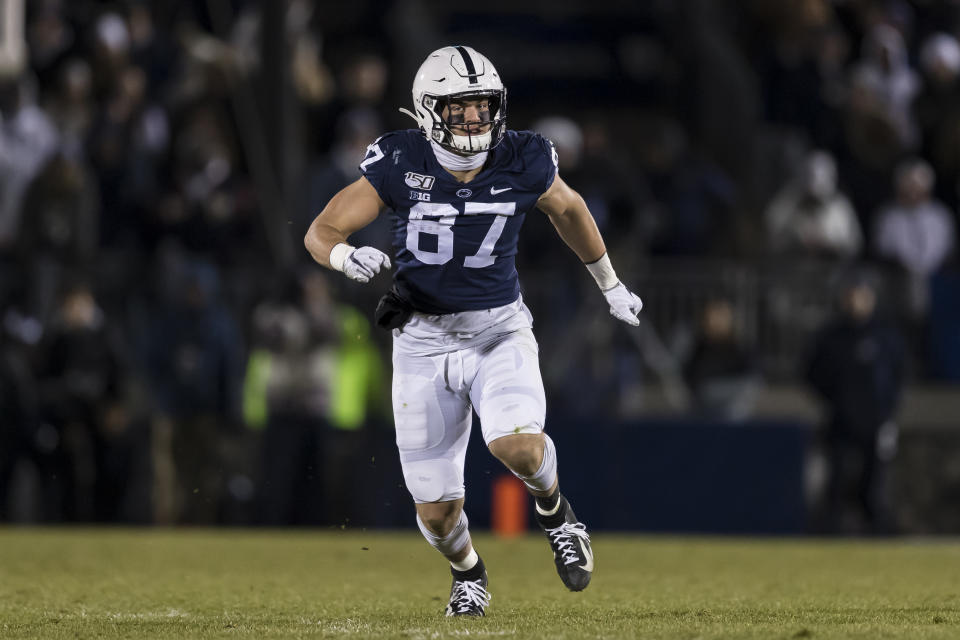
(81, 376)
(18, 418)
(195, 367)
(857, 369)
(722, 371)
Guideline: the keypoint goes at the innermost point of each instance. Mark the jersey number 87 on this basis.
(437, 218)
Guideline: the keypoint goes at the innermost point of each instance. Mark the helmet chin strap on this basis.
(455, 161)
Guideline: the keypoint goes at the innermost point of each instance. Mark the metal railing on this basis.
(777, 308)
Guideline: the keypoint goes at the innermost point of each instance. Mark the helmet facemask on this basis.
(454, 134)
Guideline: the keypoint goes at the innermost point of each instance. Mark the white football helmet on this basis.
(458, 73)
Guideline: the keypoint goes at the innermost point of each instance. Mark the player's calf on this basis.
(468, 593)
(569, 540)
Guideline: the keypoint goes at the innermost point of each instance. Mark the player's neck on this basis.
(464, 176)
(462, 167)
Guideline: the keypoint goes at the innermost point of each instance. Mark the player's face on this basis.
(468, 117)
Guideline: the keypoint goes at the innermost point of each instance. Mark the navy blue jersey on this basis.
(455, 243)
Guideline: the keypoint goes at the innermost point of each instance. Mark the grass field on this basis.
(117, 583)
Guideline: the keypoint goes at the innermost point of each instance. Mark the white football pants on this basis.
(433, 398)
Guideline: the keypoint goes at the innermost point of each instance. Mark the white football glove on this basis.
(363, 263)
(624, 304)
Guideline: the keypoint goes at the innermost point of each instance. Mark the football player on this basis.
(457, 189)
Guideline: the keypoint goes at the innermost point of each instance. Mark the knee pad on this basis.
(433, 480)
(451, 543)
(546, 475)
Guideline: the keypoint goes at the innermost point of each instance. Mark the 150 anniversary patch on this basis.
(418, 181)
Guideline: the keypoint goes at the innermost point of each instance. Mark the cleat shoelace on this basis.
(563, 539)
(468, 596)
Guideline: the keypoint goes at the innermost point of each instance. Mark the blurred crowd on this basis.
(169, 354)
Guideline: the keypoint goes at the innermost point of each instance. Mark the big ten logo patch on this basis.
(418, 181)
(420, 195)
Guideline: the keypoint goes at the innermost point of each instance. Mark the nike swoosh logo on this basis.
(588, 566)
(494, 191)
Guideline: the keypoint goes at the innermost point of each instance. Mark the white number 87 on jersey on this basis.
(437, 218)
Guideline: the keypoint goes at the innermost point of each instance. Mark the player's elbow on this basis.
(313, 240)
(309, 239)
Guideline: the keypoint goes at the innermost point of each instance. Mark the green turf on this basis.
(96, 583)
